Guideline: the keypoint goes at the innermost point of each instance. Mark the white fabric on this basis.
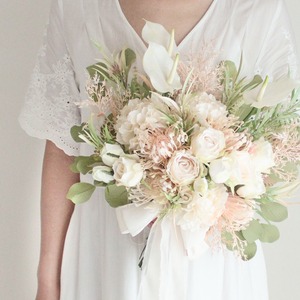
(99, 262)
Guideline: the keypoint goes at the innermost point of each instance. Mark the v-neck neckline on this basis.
(140, 40)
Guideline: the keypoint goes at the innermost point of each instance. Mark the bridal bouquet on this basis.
(202, 154)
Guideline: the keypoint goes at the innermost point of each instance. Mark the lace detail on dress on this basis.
(49, 111)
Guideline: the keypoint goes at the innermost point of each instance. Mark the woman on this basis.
(99, 262)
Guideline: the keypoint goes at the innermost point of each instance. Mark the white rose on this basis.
(110, 153)
(183, 168)
(128, 171)
(262, 155)
(207, 144)
(102, 174)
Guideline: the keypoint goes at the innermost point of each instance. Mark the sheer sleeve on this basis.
(49, 110)
(278, 55)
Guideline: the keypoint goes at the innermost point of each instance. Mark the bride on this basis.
(83, 254)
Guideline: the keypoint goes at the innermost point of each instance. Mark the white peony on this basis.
(102, 174)
(207, 110)
(204, 211)
(183, 168)
(207, 144)
(110, 153)
(128, 171)
(135, 118)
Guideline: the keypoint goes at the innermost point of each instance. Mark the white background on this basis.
(21, 27)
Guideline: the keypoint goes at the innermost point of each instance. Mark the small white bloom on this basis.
(270, 94)
(220, 169)
(128, 171)
(253, 188)
(208, 144)
(201, 185)
(183, 168)
(102, 174)
(110, 153)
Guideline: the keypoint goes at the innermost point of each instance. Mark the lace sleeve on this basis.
(49, 110)
(278, 56)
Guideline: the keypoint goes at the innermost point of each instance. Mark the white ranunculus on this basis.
(183, 168)
(270, 94)
(207, 144)
(262, 155)
(220, 169)
(160, 60)
(102, 174)
(110, 153)
(128, 171)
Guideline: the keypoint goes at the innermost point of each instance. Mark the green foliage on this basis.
(84, 164)
(116, 195)
(252, 232)
(269, 234)
(234, 89)
(249, 251)
(274, 211)
(76, 131)
(273, 119)
(80, 192)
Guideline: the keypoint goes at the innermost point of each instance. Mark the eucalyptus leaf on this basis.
(85, 164)
(274, 211)
(250, 251)
(116, 195)
(80, 192)
(270, 233)
(253, 231)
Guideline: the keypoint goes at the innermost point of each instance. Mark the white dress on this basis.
(99, 263)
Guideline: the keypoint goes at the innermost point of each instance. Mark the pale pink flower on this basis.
(183, 168)
(238, 213)
(159, 144)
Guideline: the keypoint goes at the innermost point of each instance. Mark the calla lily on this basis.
(270, 94)
(161, 60)
(156, 33)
